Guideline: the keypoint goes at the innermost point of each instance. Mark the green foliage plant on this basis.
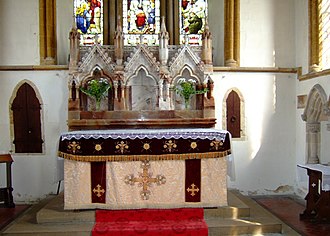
(186, 88)
(97, 89)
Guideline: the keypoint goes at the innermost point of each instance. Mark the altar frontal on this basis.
(145, 168)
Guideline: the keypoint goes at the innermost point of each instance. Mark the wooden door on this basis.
(27, 125)
(234, 114)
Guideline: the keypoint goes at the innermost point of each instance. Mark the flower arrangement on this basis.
(97, 89)
(186, 89)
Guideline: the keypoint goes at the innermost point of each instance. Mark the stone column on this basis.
(231, 36)
(313, 142)
(314, 34)
(47, 27)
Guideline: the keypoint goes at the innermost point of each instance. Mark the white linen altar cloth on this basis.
(325, 170)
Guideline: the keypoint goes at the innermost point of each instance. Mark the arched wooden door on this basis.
(27, 125)
(233, 103)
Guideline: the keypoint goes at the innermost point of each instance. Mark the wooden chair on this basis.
(6, 194)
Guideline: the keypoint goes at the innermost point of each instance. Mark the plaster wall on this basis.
(301, 32)
(264, 159)
(19, 38)
(64, 23)
(267, 33)
(35, 175)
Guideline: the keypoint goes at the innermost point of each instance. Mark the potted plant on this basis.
(97, 89)
(186, 88)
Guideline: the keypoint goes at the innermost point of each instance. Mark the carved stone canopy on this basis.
(144, 80)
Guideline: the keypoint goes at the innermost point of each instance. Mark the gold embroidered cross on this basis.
(98, 190)
(170, 146)
(122, 147)
(145, 180)
(193, 189)
(74, 147)
(216, 144)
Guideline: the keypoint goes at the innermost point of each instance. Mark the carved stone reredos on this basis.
(140, 57)
(183, 58)
(96, 55)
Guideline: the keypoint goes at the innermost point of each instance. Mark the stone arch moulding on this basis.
(314, 113)
(11, 115)
(96, 72)
(316, 105)
(242, 111)
(143, 90)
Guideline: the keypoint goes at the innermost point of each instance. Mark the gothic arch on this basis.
(316, 104)
(237, 92)
(86, 103)
(11, 112)
(313, 115)
(144, 88)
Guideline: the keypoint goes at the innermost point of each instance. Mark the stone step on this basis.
(237, 219)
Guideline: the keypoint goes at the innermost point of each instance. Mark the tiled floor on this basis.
(7, 215)
(284, 207)
(288, 210)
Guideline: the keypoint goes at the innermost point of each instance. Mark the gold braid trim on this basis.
(148, 157)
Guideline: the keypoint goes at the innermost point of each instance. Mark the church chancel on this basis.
(141, 118)
(132, 169)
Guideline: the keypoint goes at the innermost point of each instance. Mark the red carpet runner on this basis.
(183, 221)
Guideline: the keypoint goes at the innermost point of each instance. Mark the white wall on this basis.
(34, 175)
(265, 159)
(64, 23)
(19, 38)
(301, 32)
(267, 33)
(216, 24)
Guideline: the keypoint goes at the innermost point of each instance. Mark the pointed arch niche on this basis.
(313, 115)
(143, 91)
(233, 113)
(196, 101)
(26, 118)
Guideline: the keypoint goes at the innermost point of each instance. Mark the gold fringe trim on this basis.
(164, 157)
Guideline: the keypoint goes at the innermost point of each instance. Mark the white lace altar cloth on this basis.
(325, 170)
(147, 133)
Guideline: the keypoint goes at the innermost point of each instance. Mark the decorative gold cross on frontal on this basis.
(98, 190)
(193, 189)
(145, 180)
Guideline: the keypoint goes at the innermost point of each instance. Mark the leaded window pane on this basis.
(141, 21)
(89, 20)
(193, 14)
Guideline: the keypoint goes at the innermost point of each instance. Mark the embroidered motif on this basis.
(146, 147)
(74, 147)
(145, 180)
(193, 189)
(98, 190)
(193, 145)
(170, 146)
(215, 144)
(98, 147)
(122, 147)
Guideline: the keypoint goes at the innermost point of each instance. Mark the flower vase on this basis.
(187, 104)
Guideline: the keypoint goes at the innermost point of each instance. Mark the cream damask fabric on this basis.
(167, 193)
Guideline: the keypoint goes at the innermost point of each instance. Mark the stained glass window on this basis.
(141, 21)
(193, 14)
(89, 20)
